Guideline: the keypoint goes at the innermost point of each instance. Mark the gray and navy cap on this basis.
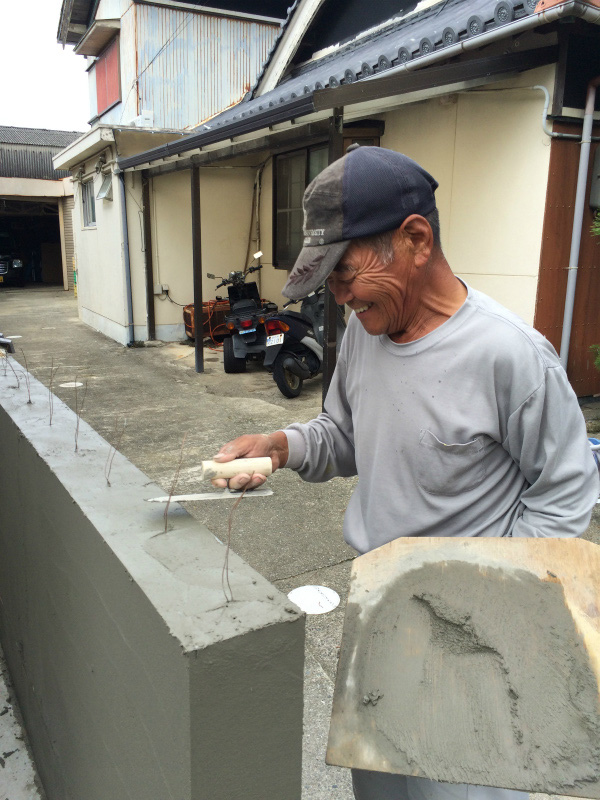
(370, 190)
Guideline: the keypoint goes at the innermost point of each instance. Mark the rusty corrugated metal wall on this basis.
(128, 110)
(190, 66)
(29, 161)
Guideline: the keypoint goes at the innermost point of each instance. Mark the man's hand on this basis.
(274, 446)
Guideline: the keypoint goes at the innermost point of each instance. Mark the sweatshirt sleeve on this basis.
(547, 439)
(324, 447)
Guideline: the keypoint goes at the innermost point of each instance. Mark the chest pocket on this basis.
(449, 469)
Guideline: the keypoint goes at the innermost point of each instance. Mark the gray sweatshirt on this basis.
(472, 430)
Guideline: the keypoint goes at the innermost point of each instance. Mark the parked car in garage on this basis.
(12, 271)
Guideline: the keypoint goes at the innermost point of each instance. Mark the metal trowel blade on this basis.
(223, 494)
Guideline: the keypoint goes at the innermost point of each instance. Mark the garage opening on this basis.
(30, 246)
(36, 203)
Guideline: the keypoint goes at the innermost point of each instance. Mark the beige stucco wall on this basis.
(491, 157)
(100, 264)
(172, 248)
(226, 201)
(135, 228)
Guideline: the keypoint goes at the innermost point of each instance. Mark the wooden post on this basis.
(336, 150)
(150, 320)
(63, 246)
(197, 269)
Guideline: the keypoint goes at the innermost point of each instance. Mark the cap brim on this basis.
(312, 267)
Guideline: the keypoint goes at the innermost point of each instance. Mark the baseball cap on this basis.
(370, 190)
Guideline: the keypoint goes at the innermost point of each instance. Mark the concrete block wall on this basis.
(135, 677)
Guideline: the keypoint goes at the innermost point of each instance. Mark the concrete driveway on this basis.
(143, 401)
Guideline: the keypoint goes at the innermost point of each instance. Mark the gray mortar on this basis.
(126, 658)
(472, 676)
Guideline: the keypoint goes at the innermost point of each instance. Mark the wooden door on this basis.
(554, 260)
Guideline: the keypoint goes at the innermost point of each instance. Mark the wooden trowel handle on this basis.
(229, 469)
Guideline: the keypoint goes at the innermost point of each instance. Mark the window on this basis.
(292, 173)
(88, 203)
(108, 83)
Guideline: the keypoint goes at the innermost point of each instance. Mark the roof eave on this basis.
(85, 146)
(97, 37)
(70, 32)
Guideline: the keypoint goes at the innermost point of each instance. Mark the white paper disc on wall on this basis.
(315, 599)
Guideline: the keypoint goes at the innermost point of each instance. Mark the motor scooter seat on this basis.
(299, 315)
(247, 306)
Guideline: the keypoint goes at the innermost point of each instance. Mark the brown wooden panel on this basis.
(554, 260)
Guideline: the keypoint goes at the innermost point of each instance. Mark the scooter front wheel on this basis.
(230, 362)
(289, 385)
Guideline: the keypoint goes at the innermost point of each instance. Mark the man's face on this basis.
(381, 295)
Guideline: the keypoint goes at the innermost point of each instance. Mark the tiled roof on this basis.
(404, 39)
(37, 136)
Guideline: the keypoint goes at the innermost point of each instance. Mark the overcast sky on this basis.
(42, 85)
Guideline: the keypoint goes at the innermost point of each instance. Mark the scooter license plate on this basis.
(248, 330)
(277, 338)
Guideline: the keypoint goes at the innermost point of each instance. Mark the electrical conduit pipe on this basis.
(125, 231)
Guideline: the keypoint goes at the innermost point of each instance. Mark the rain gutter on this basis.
(584, 159)
(297, 108)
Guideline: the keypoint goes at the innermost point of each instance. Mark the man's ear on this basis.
(418, 230)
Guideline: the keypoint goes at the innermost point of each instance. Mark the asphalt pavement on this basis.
(144, 400)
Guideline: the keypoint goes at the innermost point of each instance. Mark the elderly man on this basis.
(457, 416)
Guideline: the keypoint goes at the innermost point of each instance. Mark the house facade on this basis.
(156, 70)
(488, 96)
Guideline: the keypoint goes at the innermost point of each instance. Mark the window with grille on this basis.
(88, 202)
(292, 173)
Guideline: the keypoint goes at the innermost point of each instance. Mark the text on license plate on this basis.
(277, 338)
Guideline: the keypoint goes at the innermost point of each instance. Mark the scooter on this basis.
(6, 344)
(245, 324)
(295, 342)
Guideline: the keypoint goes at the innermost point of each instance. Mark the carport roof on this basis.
(36, 136)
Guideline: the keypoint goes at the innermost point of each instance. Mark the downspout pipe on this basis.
(584, 159)
(125, 233)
